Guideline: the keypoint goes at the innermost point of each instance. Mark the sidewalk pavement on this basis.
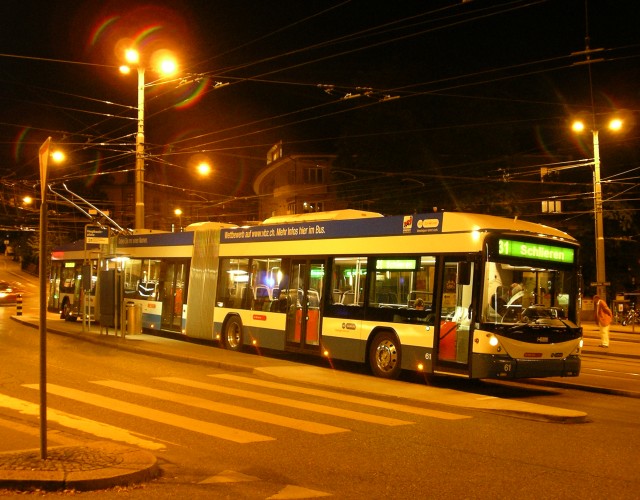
(624, 341)
(106, 464)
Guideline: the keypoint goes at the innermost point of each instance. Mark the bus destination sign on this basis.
(528, 250)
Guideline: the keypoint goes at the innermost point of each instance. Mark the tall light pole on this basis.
(43, 156)
(166, 66)
(133, 57)
(601, 286)
(601, 281)
(42, 270)
(139, 192)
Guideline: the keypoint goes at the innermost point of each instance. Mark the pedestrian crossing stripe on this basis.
(163, 417)
(89, 426)
(291, 403)
(236, 411)
(386, 405)
(225, 432)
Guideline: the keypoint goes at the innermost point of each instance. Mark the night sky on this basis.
(474, 80)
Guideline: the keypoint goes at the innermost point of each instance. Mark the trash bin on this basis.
(134, 318)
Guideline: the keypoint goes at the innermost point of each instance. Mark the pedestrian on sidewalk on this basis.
(603, 317)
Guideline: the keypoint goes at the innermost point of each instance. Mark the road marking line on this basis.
(236, 411)
(208, 428)
(344, 397)
(99, 429)
(35, 432)
(292, 403)
(291, 492)
(229, 476)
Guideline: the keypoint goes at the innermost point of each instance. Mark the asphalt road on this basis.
(226, 434)
(229, 434)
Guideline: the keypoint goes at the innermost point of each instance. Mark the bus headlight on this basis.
(581, 344)
(493, 341)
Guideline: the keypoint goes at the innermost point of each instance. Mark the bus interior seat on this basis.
(313, 299)
(498, 304)
(348, 297)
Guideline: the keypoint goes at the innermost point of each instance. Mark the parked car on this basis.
(8, 293)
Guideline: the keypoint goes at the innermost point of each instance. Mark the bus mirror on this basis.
(464, 273)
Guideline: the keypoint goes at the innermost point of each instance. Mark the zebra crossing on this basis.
(205, 394)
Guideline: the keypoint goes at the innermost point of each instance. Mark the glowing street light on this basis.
(165, 65)
(178, 214)
(203, 169)
(578, 126)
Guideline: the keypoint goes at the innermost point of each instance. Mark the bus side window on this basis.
(348, 280)
(225, 284)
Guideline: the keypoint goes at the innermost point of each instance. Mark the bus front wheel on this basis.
(65, 313)
(233, 334)
(384, 356)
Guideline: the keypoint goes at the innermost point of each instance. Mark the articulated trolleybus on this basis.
(457, 294)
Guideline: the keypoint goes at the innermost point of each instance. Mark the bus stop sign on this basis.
(96, 234)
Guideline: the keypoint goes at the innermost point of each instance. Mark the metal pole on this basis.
(599, 227)
(42, 270)
(139, 192)
(42, 262)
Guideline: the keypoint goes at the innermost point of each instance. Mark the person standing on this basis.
(603, 317)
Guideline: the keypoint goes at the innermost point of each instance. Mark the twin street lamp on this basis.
(166, 65)
(579, 126)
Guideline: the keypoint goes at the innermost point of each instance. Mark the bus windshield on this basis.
(514, 293)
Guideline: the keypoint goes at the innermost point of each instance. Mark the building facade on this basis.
(295, 184)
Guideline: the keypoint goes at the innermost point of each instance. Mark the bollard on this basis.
(19, 305)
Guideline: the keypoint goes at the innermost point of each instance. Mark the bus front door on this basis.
(173, 287)
(455, 319)
(303, 297)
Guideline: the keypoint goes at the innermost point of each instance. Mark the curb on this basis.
(94, 466)
(582, 387)
(118, 343)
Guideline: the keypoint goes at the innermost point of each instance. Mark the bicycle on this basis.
(631, 317)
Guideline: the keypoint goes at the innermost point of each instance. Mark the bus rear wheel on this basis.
(233, 334)
(385, 356)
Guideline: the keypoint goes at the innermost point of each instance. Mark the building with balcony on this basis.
(295, 184)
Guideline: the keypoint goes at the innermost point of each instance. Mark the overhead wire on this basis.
(295, 122)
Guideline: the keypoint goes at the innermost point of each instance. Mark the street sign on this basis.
(96, 234)
(43, 154)
(93, 211)
(606, 283)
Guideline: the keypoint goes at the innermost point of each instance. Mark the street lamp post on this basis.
(601, 286)
(139, 188)
(166, 65)
(601, 281)
(42, 270)
(43, 157)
